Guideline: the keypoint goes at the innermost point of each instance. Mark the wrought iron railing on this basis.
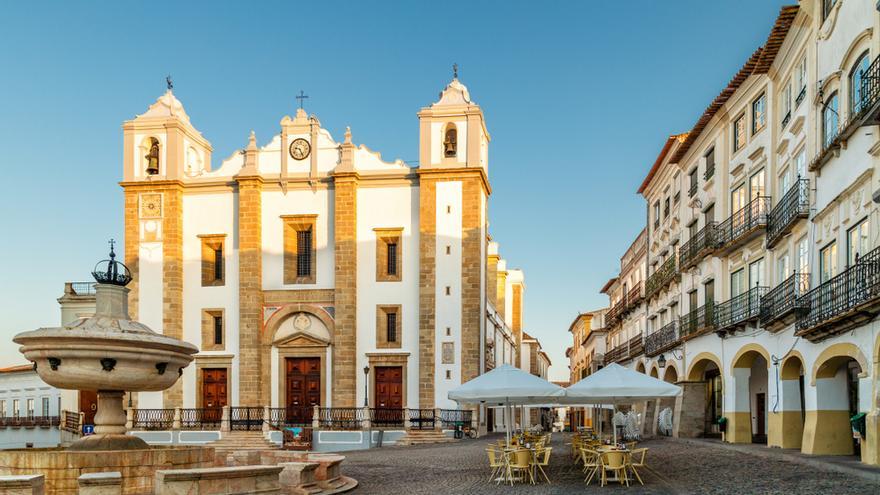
(843, 294)
(421, 419)
(341, 418)
(662, 277)
(635, 346)
(300, 440)
(616, 311)
(702, 243)
(453, 418)
(247, 418)
(635, 295)
(615, 354)
(744, 221)
(83, 288)
(698, 321)
(783, 298)
(199, 418)
(795, 204)
(387, 417)
(153, 419)
(291, 416)
(29, 421)
(663, 339)
(739, 309)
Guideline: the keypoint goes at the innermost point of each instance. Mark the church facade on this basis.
(310, 271)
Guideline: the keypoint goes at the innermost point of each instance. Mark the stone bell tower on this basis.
(453, 197)
(161, 152)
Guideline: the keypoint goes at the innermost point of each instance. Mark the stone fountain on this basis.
(108, 353)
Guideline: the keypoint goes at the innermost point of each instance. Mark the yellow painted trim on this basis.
(785, 372)
(698, 361)
(739, 427)
(744, 357)
(841, 350)
(827, 433)
(785, 429)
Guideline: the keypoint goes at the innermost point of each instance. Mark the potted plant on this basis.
(722, 424)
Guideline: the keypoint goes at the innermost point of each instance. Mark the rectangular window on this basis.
(388, 254)
(784, 181)
(657, 214)
(785, 104)
(709, 214)
(738, 199)
(3, 413)
(692, 230)
(666, 207)
(30, 408)
(739, 133)
(16, 408)
(213, 330)
(803, 261)
(783, 269)
(756, 274)
(857, 242)
(801, 82)
(212, 259)
(676, 198)
(709, 292)
(759, 113)
(828, 262)
(756, 185)
(388, 327)
(299, 249)
(737, 282)
(710, 163)
(45, 411)
(826, 8)
(800, 162)
(692, 189)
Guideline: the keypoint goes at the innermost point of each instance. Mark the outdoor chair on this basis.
(496, 462)
(614, 461)
(542, 460)
(592, 463)
(631, 445)
(520, 464)
(637, 460)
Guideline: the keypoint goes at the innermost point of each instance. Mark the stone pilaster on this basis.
(492, 280)
(172, 279)
(427, 288)
(252, 388)
(473, 247)
(516, 322)
(132, 248)
(345, 299)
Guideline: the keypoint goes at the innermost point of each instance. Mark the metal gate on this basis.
(246, 418)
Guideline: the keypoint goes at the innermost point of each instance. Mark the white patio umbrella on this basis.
(615, 384)
(507, 385)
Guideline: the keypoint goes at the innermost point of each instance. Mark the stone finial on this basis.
(252, 141)
(347, 135)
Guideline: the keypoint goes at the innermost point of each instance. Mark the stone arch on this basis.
(640, 367)
(655, 373)
(790, 367)
(286, 311)
(671, 373)
(746, 355)
(829, 360)
(859, 45)
(698, 366)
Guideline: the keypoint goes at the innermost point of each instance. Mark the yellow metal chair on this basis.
(520, 464)
(592, 463)
(542, 460)
(496, 462)
(637, 460)
(614, 461)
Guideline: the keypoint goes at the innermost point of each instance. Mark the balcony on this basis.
(745, 224)
(698, 322)
(662, 277)
(632, 348)
(780, 306)
(866, 113)
(794, 205)
(739, 310)
(634, 297)
(616, 312)
(662, 340)
(699, 246)
(848, 300)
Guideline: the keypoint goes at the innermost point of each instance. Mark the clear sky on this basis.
(578, 98)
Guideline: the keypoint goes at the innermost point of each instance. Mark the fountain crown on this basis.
(110, 271)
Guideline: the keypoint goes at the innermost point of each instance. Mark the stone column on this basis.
(690, 410)
(438, 424)
(110, 418)
(345, 297)
(176, 423)
(366, 423)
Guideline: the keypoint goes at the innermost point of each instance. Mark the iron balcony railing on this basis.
(795, 204)
(341, 418)
(207, 418)
(662, 277)
(739, 309)
(783, 299)
(743, 222)
(629, 349)
(153, 419)
(704, 242)
(698, 321)
(662, 340)
(83, 288)
(616, 311)
(635, 296)
(828, 306)
(636, 346)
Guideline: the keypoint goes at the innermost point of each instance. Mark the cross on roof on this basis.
(301, 97)
(112, 243)
(455, 71)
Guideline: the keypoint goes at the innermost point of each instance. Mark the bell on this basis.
(152, 165)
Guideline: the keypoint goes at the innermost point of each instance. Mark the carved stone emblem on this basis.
(302, 322)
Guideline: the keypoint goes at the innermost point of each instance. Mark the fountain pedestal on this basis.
(110, 426)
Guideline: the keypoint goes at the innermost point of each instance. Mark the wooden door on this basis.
(303, 388)
(88, 404)
(214, 393)
(389, 387)
(760, 407)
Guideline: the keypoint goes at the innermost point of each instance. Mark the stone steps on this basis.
(421, 437)
(243, 440)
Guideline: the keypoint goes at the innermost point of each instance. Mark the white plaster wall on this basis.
(525, 357)
(389, 207)
(448, 274)
(150, 304)
(215, 213)
(297, 202)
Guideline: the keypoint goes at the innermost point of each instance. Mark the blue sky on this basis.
(578, 97)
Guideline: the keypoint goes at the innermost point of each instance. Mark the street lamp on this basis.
(366, 386)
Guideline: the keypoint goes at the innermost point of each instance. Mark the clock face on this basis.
(299, 149)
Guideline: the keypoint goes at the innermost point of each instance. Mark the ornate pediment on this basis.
(300, 340)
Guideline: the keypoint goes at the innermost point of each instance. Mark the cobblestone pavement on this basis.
(674, 467)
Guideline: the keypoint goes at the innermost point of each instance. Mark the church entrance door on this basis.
(214, 394)
(389, 387)
(303, 389)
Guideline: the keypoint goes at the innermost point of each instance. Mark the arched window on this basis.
(152, 157)
(450, 141)
(856, 84)
(830, 120)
